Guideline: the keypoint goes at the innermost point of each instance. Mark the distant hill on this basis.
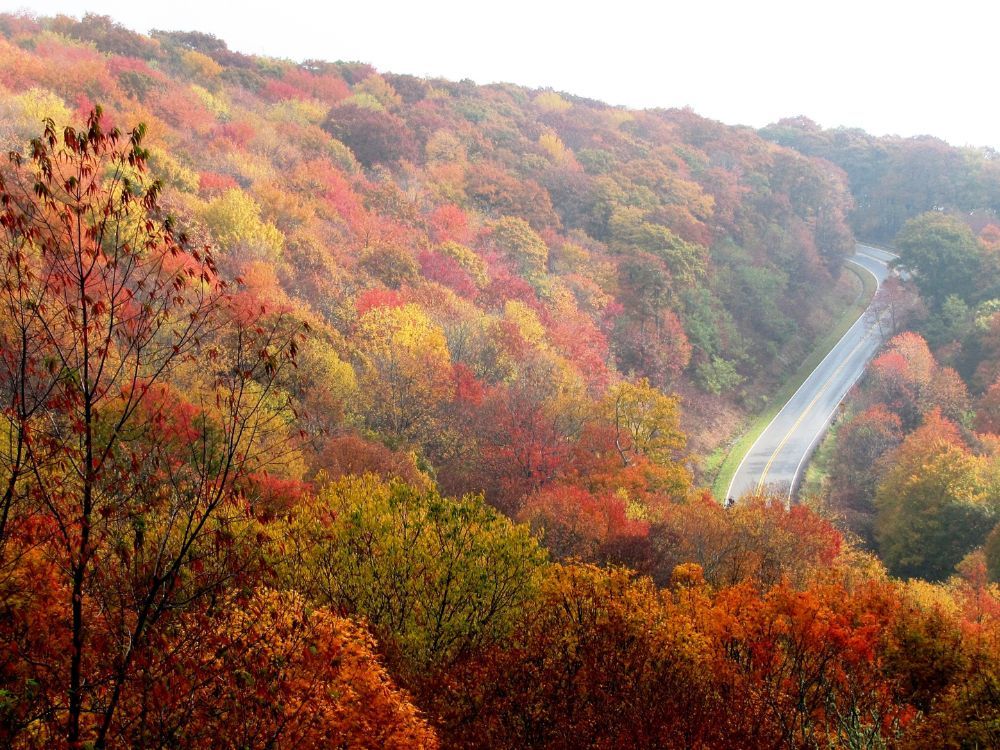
(894, 179)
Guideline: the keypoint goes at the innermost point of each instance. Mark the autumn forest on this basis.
(348, 409)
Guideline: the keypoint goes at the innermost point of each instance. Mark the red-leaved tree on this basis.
(137, 392)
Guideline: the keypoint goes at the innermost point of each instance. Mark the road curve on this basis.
(776, 460)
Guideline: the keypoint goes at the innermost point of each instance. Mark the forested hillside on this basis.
(539, 237)
(895, 179)
(349, 409)
(912, 468)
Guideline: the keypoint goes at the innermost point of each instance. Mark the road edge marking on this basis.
(826, 423)
(729, 490)
(808, 408)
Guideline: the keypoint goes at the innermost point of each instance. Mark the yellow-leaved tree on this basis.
(646, 424)
(236, 225)
(404, 371)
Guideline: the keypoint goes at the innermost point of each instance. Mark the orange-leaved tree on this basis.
(266, 671)
(105, 309)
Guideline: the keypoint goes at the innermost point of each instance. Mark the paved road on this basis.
(778, 457)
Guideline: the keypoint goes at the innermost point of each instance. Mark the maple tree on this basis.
(597, 647)
(270, 671)
(758, 540)
(574, 523)
(374, 135)
(908, 380)
(804, 665)
(102, 302)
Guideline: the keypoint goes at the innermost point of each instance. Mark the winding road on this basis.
(778, 457)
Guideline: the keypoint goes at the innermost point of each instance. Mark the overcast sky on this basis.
(888, 67)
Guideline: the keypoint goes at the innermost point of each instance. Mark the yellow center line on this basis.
(805, 412)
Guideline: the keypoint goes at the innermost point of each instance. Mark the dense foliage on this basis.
(913, 468)
(895, 179)
(506, 246)
(344, 409)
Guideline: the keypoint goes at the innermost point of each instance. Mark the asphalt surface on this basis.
(777, 460)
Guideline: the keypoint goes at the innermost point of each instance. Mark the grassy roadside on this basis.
(729, 461)
(817, 472)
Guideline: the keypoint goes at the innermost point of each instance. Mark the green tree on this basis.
(992, 550)
(434, 576)
(630, 231)
(942, 255)
(717, 375)
(517, 240)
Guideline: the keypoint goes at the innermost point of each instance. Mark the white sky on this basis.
(886, 66)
